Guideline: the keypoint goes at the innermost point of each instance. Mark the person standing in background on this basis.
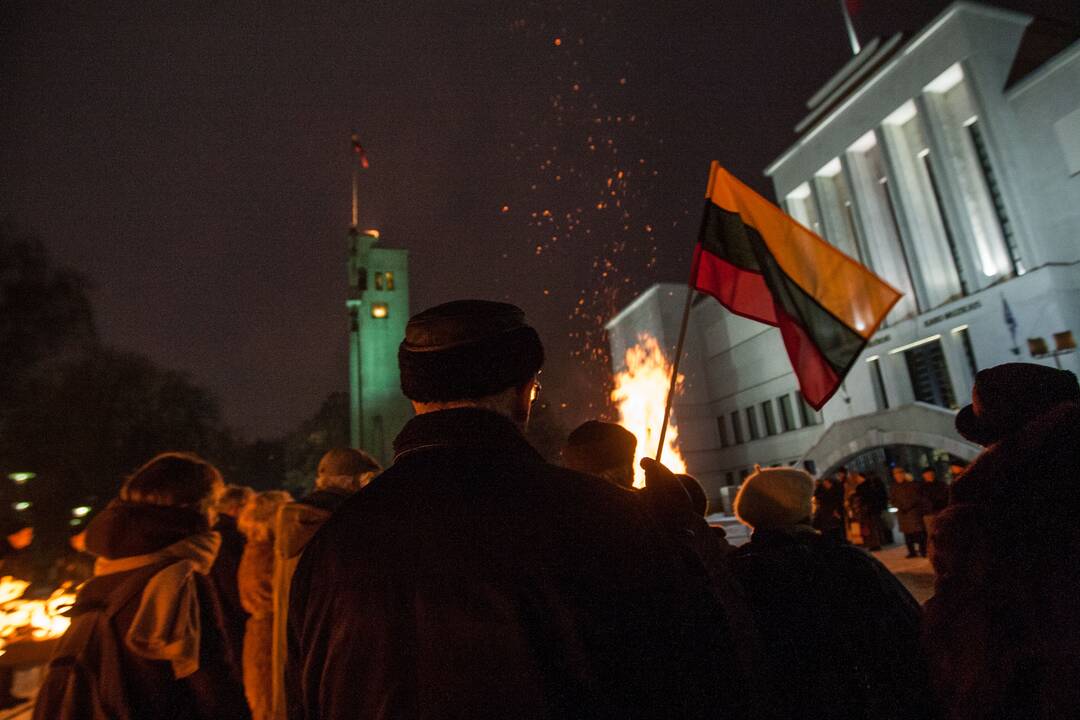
(937, 497)
(256, 583)
(911, 506)
(227, 565)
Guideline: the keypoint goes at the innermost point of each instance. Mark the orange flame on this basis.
(31, 619)
(640, 395)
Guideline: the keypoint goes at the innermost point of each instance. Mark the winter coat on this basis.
(256, 580)
(296, 524)
(871, 496)
(937, 494)
(150, 687)
(841, 634)
(1003, 629)
(224, 575)
(911, 505)
(473, 579)
(828, 507)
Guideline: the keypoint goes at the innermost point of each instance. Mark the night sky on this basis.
(192, 159)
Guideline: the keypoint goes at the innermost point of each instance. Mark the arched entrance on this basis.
(903, 434)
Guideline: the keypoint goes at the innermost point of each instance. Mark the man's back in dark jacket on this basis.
(840, 632)
(474, 580)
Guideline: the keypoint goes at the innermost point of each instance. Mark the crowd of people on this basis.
(474, 579)
(851, 506)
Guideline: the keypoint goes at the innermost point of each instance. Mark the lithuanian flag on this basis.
(761, 264)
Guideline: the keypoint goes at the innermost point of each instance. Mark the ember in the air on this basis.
(640, 395)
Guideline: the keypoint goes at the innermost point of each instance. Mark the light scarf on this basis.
(167, 625)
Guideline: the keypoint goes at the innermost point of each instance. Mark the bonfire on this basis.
(24, 620)
(640, 395)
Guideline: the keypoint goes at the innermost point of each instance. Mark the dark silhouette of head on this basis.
(698, 498)
(471, 353)
(603, 449)
(175, 479)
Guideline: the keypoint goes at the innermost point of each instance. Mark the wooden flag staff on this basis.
(690, 292)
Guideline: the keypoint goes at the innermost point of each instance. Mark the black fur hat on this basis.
(1007, 396)
(467, 349)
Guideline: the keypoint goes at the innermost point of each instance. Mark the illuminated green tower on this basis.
(378, 311)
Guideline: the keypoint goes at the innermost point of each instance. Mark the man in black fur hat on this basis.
(1002, 631)
(472, 579)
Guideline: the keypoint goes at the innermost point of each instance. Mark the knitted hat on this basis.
(345, 461)
(467, 349)
(598, 446)
(774, 497)
(1007, 396)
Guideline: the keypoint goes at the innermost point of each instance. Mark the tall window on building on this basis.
(807, 414)
(379, 281)
(736, 428)
(962, 336)
(881, 398)
(389, 276)
(886, 252)
(950, 233)
(802, 206)
(993, 187)
(769, 414)
(929, 373)
(841, 227)
(721, 428)
(787, 417)
(934, 255)
(989, 232)
(752, 423)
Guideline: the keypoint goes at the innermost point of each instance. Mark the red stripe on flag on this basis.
(744, 293)
(740, 291)
(817, 380)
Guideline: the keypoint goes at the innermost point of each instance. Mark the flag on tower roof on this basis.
(359, 150)
(762, 264)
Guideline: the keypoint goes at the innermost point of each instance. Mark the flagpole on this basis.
(355, 192)
(675, 369)
(855, 47)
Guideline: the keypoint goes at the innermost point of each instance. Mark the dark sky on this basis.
(192, 160)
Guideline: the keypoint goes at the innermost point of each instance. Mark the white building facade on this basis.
(948, 163)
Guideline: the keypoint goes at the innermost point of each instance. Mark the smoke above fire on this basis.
(639, 396)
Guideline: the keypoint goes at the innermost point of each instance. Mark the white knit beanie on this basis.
(774, 497)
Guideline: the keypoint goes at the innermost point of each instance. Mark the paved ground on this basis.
(915, 573)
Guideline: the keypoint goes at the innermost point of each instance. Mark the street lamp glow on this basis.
(81, 511)
(21, 478)
(21, 505)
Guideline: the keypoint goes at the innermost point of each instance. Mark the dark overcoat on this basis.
(1003, 628)
(840, 633)
(474, 580)
(911, 506)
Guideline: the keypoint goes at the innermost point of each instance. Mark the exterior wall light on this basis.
(379, 310)
(1064, 343)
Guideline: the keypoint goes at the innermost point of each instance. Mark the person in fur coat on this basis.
(256, 583)
(1002, 631)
